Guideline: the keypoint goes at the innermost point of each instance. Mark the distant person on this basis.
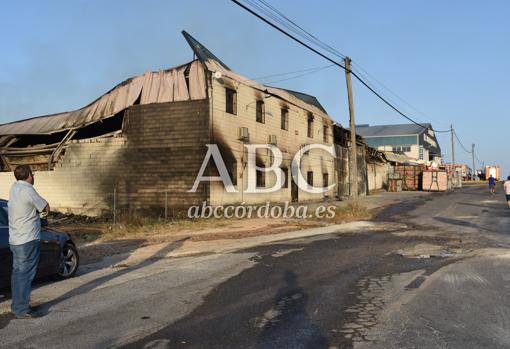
(507, 190)
(25, 204)
(492, 184)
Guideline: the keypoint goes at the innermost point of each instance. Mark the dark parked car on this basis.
(59, 256)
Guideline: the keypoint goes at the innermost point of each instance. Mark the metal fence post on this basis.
(166, 204)
(114, 206)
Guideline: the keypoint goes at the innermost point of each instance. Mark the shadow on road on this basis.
(461, 223)
(291, 327)
(91, 285)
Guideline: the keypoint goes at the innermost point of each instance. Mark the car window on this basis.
(3, 216)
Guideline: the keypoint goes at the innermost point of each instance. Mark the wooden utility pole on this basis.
(473, 172)
(353, 170)
(453, 147)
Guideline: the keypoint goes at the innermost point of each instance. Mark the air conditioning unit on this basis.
(243, 134)
(272, 140)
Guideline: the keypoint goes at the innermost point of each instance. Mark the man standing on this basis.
(507, 190)
(25, 204)
(492, 184)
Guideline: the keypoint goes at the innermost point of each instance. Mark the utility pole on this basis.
(473, 155)
(353, 171)
(453, 147)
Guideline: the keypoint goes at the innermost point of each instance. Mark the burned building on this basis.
(142, 144)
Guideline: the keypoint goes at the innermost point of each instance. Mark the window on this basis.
(285, 175)
(309, 178)
(285, 119)
(231, 101)
(402, 148)
(261, 112)
(325, 129)
(310, 125)
(261, 177)
(325, 180)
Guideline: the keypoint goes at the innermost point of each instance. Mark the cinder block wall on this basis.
(160, 152)
(79, 181)
(165, 149)
(225, 127)
(377, 176)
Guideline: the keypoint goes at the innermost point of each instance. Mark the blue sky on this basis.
(448, 59)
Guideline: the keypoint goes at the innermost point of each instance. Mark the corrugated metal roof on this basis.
(307, 99)
(392, 130)
(396, 157)
(153, 87)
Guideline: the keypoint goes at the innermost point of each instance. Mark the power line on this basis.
(298, 76)
(328, 47)
(280, 18)
(369, 76)
(462, 145)
(310, 70)
(274, 17)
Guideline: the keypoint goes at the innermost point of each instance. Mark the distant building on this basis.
(464, 170)
(415, 141)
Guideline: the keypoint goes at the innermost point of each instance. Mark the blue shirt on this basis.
(24, 221)
(492, 181)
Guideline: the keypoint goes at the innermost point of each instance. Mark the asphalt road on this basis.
(438, 279)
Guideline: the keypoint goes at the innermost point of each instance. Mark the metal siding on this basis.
(375, 142)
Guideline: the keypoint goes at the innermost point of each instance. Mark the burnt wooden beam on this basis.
(54, 155)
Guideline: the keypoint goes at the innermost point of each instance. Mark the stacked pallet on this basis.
(394, 182)
(412, 176)
(435, 180)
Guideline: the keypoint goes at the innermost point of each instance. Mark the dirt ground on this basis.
(97, 238)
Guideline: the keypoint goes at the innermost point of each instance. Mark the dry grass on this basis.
(347, 212)
(155, 230)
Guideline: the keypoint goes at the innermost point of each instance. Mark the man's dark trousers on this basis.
(25, 259)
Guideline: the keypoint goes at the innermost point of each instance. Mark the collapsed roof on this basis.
(185, 82)
(152, 87)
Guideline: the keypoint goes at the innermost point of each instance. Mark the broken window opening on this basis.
(261, 112)
(102, 127)
(310, 125)
(230, 101)
(284, 119)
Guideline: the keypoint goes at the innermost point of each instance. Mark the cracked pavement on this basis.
(429, 272)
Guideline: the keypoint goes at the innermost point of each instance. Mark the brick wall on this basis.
(165, 149)
(225, 127)
(79, 182)
(161, 151)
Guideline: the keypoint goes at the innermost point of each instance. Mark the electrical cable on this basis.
(298, 76)
(325, 57)
(331, 49)
(462, 145)
(369, 77)
(289, 73)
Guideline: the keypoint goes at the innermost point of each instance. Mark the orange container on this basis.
(494, 171)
